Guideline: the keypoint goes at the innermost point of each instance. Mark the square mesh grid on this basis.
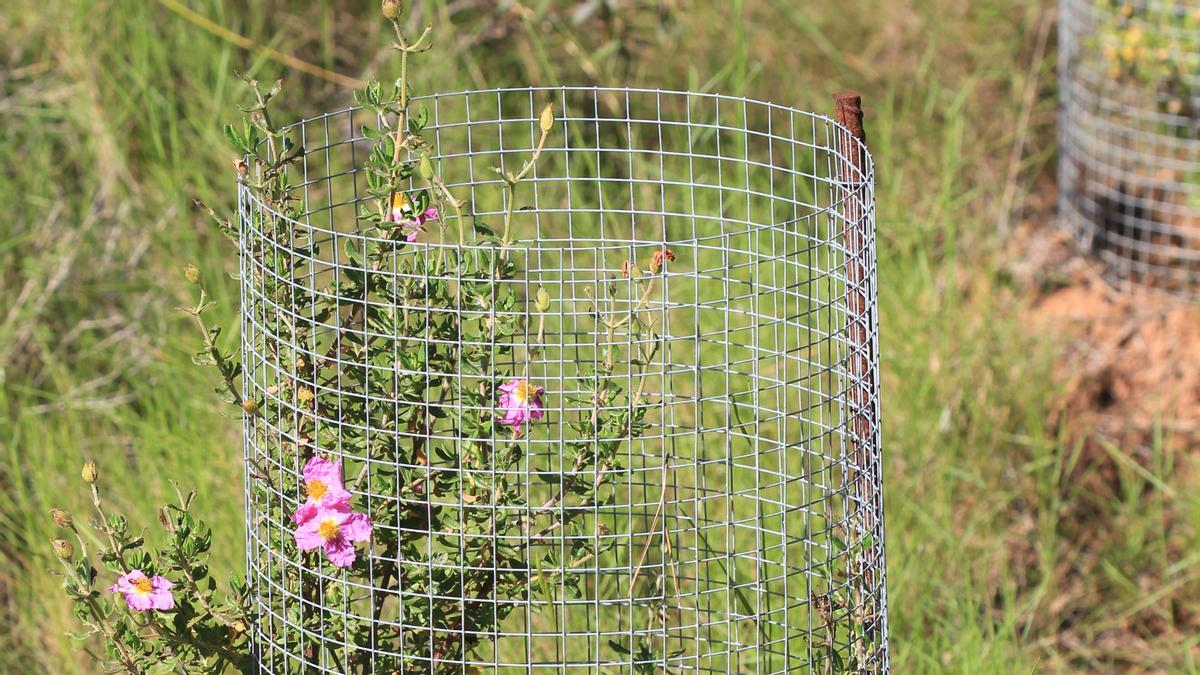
(740, 531)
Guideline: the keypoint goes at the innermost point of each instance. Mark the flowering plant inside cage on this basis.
(559, 378)
(1130, 176)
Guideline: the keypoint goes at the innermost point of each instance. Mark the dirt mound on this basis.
(1131, 359)
(1129, 381)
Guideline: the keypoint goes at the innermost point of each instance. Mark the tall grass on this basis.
(110, 115)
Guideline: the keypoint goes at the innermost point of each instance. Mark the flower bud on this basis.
(426, 168)
(192, 274)
(542, 299)
(547, 120)
(250, 407)
(61, 518)
(392, 9)
(63, 550)
(89, 473)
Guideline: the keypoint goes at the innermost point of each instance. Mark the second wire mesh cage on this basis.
(638, 435)
(1129, 174)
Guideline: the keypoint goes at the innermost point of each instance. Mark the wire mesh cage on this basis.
(1129, 174)
(688, 305)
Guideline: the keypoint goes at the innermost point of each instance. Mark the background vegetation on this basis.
(999, 561)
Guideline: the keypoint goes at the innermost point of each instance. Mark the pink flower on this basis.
(323, 484)
(521, 402)
(334, 529)
(402, 213)
(144, 593)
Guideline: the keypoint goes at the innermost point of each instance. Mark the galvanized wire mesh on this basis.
(743, 528)
(1129, 173)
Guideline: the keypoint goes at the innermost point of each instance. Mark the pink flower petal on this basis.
(161, 600)
(340, 552)
(139, 601)
(319, 468)
(157, 596)
(305, 513)
(125, 582)
(336, 496)
(356, 527)
(160, 594)
(308, 535)
(327, 475)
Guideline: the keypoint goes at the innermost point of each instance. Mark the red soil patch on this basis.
(1132, 358)
(1129, 372)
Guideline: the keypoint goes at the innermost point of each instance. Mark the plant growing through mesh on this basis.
(1129, 132)
(1152, 47)
(466, 364)
(456, 402)
(447, 459)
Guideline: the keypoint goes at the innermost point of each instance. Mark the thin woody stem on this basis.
(210, 346)
(103, 623)
(112, 541)
(510, 187)
(652, 530)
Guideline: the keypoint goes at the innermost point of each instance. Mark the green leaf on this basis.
(417, 121)
(236, 141)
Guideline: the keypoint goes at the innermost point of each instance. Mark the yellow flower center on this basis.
(329, 529)
(316, 488)
(142, 585)
(400, 204)
(521, 393)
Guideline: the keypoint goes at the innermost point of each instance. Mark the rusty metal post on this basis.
(865, 472)
(851, 146)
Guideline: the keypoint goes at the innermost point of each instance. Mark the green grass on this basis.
(999, 561)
